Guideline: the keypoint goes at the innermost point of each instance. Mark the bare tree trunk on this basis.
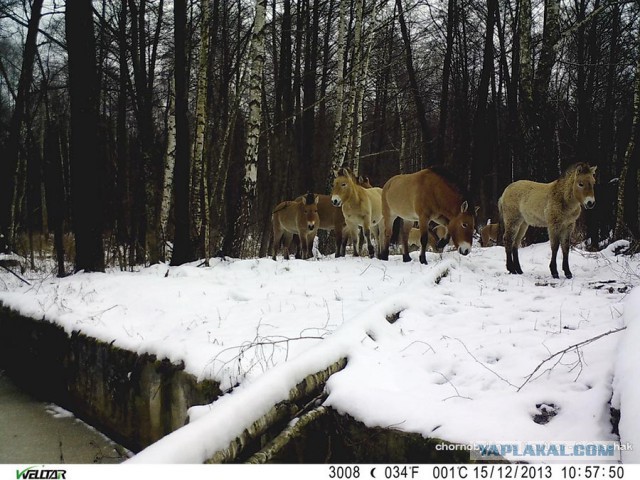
(446, 77)
(169, 164)
(629, 164)
(338, 153)
(307, 158)
(526, 85)
(346, 137)
(183, 246)
(481, 159)
(16, 151)
(253, 130)
(200, 175)
(361, 80)
(415, 89)
(85, 160)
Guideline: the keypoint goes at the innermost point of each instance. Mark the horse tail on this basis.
(395, 231)
(500, 236)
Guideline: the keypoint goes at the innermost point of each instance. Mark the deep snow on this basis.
(454, 365)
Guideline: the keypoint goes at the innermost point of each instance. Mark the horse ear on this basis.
(464, 207)
(476, 210)
(317, 199)
(593, 170)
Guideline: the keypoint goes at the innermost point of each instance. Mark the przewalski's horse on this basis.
(361, 207)
(489, 234)
(439, 232)
(431, 194)
(331, 218)
(298, 217)
(554, 205)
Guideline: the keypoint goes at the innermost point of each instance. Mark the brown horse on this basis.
(489, 234)
(331, 218)
(361, 207)
(438, 233)
(431, 194)
(554, 205)
(298, 217)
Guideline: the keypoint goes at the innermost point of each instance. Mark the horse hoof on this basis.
(555, 275)
(406, 257)
(568, 274)
(423, 260)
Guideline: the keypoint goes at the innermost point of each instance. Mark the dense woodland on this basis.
(139, 131)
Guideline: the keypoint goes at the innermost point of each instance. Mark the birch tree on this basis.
(257, 53)
(346, 134)
(169, 164)
(200, 175)
(338, 153)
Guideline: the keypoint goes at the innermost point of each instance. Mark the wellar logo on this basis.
(40, 472)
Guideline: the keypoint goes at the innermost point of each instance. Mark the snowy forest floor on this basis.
(470, 357)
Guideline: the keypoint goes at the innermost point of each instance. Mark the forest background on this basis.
(139, 131)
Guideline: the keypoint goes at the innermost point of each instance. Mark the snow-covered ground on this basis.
(463, 362)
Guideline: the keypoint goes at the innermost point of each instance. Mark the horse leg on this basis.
(423, 223)
(343, 243)
(554, 239)
(509, 241)
(294, 242)
(354, 234)
(380, 236)
(366, 228)
(518, 241)
(387, 220)
(405, 229)
(287, 240)
(338, 231)
(565, 244)
(304, 245)
(277, 238)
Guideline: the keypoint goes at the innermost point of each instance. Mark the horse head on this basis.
(460, 229)
(342, 187)
(583, 185)
(310, 209)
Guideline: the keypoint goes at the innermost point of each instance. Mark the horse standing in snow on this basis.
(361, 207)
(554, 205)
(431, 194)
(298, 217)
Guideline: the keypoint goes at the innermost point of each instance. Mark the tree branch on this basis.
(561, 353)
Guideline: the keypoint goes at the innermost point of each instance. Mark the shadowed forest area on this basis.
(139, 131)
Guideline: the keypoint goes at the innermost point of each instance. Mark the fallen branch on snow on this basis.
(561, 353)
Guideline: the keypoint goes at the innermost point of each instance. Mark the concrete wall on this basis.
(135, 399)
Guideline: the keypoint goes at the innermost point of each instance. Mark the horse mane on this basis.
(454, 181)
(309, 199)
(579, 167)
